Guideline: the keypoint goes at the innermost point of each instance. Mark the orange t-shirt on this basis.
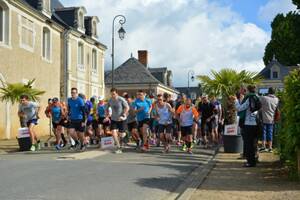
(194, 110)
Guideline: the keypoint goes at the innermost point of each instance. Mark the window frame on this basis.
(94, 66)
(6, 25)
(80, 65)
(49, 59)
(29, 29)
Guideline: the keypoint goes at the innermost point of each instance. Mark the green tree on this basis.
(225, 84)
(285, 40)
(11, 92)
(297, 3)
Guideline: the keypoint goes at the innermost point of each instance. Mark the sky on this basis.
(184, 35)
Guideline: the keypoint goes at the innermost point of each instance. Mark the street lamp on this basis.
(121, 33)
(191, 76)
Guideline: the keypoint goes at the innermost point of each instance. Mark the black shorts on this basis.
(32, 121)
(162, 128)
(145, 121)
(118, 125)
(93, 123)
(104, 124)
(56, 124)
(77, 125)
(186, 130)
(131, 126)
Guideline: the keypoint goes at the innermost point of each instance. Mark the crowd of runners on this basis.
(147, 120)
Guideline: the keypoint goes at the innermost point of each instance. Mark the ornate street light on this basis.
(121, 33)
(191, 75)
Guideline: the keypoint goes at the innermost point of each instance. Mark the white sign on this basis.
(23, 133)
(231, 129)
(107, 142)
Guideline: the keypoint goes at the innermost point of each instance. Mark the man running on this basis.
(29, 111)
(76, 113)
(131, 122)
(101, 114)
(143, 109)
(164, 116)
(118, 116)
(187, 114)
(57, 113)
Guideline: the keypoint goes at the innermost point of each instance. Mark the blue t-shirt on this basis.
(56, 114)
(101, 110)
(88, 108)
(144, 114)
(76, 108)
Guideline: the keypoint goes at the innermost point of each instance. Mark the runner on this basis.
(118, 116)
(57, 113)
(77, 116)
(29, 111)
(102, 122)
(164, 117)
(91, 124)
(180, 100)
(131, 122)
(187, 114)
(143, 109)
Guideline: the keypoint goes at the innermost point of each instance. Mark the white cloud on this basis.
(181, 35)
(268, 11)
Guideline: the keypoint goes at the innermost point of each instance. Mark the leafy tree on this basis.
(225, 84)
(297, 3)
(285, 40)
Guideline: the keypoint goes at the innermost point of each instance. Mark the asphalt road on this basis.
(48, 175)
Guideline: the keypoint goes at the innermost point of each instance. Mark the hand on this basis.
(82, 124)
(208, 120)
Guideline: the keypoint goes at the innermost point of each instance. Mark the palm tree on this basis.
(11, 92)
(225, 84)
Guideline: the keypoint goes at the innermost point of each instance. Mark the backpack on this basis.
(254, 103)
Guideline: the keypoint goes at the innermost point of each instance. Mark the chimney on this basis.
(143, 57)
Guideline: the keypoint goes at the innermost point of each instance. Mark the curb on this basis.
(193, 181)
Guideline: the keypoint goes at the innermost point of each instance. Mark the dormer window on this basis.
(94, 29)
(80, 20)
(47, 5)
(275, 71)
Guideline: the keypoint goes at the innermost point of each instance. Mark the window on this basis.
(4, 23)
(94, 29)
(275, 75)
(94, 61)
(27, 33)
(46, 5)
(81, 20)
(80, 56)
(46, 43)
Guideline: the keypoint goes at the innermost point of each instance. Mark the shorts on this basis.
(56, 124)
(131, 126)
(92, 123)
(77, 125)
(162, 128)
(118, 125)
(32, 121)
(144, 121)
(104, 124)
(186, 130)
(206, 127)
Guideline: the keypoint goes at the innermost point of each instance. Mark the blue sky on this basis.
(184, 35)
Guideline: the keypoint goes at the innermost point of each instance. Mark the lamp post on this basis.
(191, 74)
(121, 32)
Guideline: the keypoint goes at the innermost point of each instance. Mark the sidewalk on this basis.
(12, 145)
(230, 181)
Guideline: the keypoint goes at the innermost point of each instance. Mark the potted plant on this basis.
(225, 84)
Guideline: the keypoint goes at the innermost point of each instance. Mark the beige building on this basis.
(36, 43)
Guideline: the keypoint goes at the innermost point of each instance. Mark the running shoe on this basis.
(38, 145)
(58, 147)
(270, 150)
(262, 149)
(83, 147)
(184, 148)
(32, 147)
(189, 151)
(118, 151)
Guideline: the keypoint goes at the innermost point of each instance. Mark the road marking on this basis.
(83, 155)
